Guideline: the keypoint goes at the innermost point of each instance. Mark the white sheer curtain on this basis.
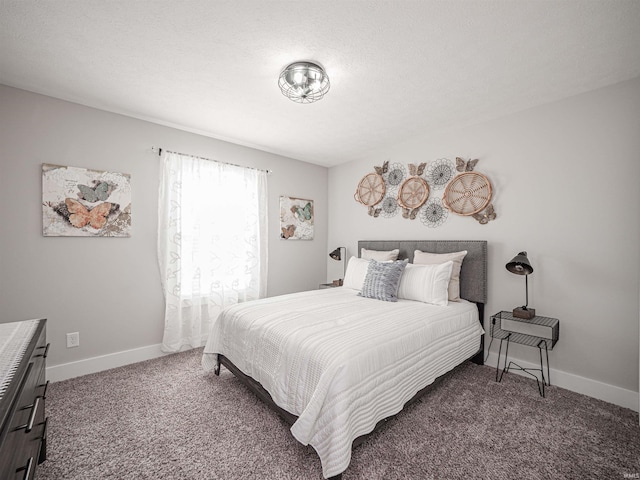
(212, 243)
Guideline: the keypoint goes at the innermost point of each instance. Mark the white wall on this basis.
(566, 189)
(108, 289)
(565, 177)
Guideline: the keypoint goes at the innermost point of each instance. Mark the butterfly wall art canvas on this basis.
(296, 218)
(78, 202)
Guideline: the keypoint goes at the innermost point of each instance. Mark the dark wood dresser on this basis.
(23, 431)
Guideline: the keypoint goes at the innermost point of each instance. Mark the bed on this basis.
(335, 364)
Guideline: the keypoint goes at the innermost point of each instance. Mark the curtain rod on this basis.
(159, 150)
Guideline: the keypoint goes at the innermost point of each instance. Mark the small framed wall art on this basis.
(77, 202)
(296, 218)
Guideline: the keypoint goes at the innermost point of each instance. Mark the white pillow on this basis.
(356, 273)
(426, 283)
(379, 255)
(426, 258)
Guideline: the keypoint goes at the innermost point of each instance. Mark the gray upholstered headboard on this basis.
(473, 274)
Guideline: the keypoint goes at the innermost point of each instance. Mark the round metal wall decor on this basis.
(433, 214)
(396, 174)
(439, 172)
(370, 190)
(468, 193)
(389, 205)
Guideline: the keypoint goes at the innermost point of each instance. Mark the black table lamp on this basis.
(337, 255)
(520, 266)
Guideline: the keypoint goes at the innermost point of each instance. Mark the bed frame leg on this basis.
(216, 369)
(478, 359)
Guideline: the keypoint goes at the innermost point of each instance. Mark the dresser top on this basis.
(14, 340)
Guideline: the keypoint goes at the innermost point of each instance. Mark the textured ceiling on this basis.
(398, 68)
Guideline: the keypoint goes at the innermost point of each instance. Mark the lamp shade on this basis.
(520, 265)
(336, 254)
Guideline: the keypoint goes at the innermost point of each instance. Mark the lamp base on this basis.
(524, 312)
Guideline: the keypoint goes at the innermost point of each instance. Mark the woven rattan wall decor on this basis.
(389, 189)
(371, 189)
(469, 193)
(413, 192)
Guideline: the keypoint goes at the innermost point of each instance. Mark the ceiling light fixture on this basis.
(304, 82)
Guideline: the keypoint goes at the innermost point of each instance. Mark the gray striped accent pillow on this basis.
(382, 280)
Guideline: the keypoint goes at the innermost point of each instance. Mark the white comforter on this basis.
(341, 362)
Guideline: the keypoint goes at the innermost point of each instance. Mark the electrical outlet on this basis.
(73, 339)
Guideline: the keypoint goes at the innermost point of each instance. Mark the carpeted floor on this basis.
(167, 419)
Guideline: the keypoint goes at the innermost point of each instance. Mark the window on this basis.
(211, 242)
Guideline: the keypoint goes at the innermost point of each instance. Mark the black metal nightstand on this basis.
(327, 285)
(541, 332)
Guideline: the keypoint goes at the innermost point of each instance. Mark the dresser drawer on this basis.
(23, 408)
(32, 391)
(23, 444)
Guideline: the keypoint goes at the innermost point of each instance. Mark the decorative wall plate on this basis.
(413, 192)
(370, 190)
(468, 193)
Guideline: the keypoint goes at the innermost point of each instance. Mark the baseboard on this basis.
(575, 383)
(586, 386)
(64, 371)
